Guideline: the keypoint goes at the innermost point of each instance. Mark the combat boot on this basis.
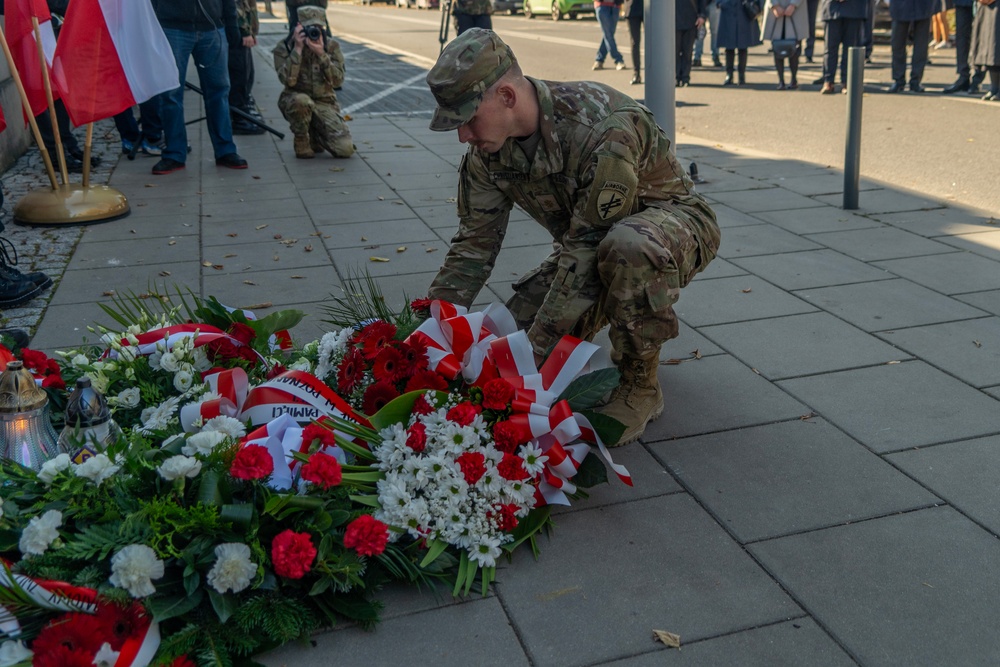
(17, 291)
(638, 399)
(303, 149)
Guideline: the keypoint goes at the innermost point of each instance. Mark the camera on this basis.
(313, 32)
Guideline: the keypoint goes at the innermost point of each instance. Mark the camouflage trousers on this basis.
(643, 262)
(320, 121)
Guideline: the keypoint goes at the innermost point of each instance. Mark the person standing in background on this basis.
(632, 11)
(844, 24)
(963, 43)
(689, 16)
(241, 68)
(986, 45)
(607, 15)
(737, 32)
(472, 14)
(699, 42)
(812, 9)
(910, 19)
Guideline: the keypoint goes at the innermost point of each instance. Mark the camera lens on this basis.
(313, 32)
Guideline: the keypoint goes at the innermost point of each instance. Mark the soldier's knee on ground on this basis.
(342, 146)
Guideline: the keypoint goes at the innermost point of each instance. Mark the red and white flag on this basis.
(24, 49)
(111, 55)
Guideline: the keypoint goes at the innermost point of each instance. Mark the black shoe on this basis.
(243, 126)
(77, 154)
(636, 78)
(167, 166)
(915, 87)
(809, 59)
(73, 165)
(973, 88)
(231, 161)
(8, 267)
(820, 81)
(16, 292)
(716, 62)
(696, 63)
(781, 86)
(728, 81)
(896, 87)
(960, 86)
(742, 79)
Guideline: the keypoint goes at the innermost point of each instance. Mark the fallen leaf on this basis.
(381, 198)
(695, 355)
(289, 242)
(431, 250)
(249, 282)
(977, 343)
(232, 234)
(256, 306)
(807, 416)
(404, 146)
(132, 231)
(364, 238)
(401, 248)
(378, 259)
(261, 226)
(276, 258)
(399, 203)
(110, 292)
(451, 200)
(347, 116)
(297, 277)
(218, 267)
(277, 236)
(164, 273)
(143, 204)
(755, 370)
(150, 185)
(308, 248)
(206, 263)
(232, 254)
(667, 638)
(336, 169)
(890, 363)
(256, 178)
(747, 290)
(172, 243)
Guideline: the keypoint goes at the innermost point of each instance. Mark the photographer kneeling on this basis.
(310, 65)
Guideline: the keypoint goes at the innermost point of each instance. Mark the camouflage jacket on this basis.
(246, 18)
(474, 7)
(601, 158)
(307, 73)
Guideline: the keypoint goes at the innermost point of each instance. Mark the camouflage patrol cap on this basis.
(466, 69)
(312, 16)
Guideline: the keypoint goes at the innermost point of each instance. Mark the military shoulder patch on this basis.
(611, 199)
(612, 193)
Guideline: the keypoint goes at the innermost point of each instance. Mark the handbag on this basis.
(752, 8)
(784, 47)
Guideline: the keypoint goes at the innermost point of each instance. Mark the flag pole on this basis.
(27, 110)
(48, 96)
(86, 154)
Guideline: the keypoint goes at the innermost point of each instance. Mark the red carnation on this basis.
(421, 306)
(53, 382)
(322, 470)
(241, 332)
(34, 360)
(512, 468)
(374, 337)
(314, 432)
(497, 393)
(421, 406)
(376, 396)
(473, 465)
(416, 437)
(504, 517)
(366, 535)
(68, 634)
(388, 365)
(292, 554)
(351, 371)
(415, 354)
(426, 380)
(463, 413)
(252, 462)
(507, 437)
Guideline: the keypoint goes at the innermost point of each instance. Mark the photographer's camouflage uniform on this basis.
(629, 230)
(309, 102)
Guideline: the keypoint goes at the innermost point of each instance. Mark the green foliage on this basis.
(362, 300)
(98, 541)
(608, 428)
(591, 472)
(588, 390)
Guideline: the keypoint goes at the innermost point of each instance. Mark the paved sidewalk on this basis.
(822, 489)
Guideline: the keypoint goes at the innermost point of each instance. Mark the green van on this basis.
(558, 9)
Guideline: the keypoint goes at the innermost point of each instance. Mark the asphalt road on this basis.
(943, 146)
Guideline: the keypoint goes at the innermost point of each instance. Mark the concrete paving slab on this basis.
(888, 304)
(112, 254)
(702, 585)
(914, 589)
(815, 220)
(313, 283)
(770, 199)
(335, 172)
(714, 180)
(513, 262)
(969, 350)
(269, 190)
(761, 240)
(523, 233)
(238, 232)
(880, 407)
(402, 162)
(65, 327)
(247, 259)
(939, 222)
(442, 178)
(986, 244)
(487, 639)
(737, 299)
(784, 347)
(879, 243)
(369, 211)
(887, 200)
(415, 259)
(400, 289)
(440, 216)
(385, 233)
(95, 285)
(962, 473)
(828, 182)
(253, 209)
(182, 223)
(717, 393)
(730, 217)
(988, 301)
(812, 268)
(720, 268)
(786, 478)
(788, 644)
(952, 273)
(442, 194)
(993, 391)
(334, 195)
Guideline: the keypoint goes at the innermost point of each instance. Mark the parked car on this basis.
(372, 2)
(419, 4)
(509, 6)
(558, 9)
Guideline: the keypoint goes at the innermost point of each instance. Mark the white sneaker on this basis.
(620, 66)
(598, 65)
(940, 45)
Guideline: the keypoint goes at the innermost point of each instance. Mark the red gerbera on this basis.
(252, 462)
(376, 396)
(366, 535)
(71, 632)
(322, 470)
(415, 353)
(351, 371)
(512, 468)
(421, 306)
(388, 365)
(374, 337)
(426, 380)
(463, 413)
(473, 465)
(497, 393)
(292, 554)
(61, 656)
(122, 622)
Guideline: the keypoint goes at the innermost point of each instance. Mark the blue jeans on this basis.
(211, 56)
(149, 114)
(608, 18)
(713, 22)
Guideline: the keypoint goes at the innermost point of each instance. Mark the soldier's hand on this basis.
(316, 47)
(300, 38)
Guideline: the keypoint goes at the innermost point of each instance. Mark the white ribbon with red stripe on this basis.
(458, 341)
(232, 387)
(282, 437)
(298, 394)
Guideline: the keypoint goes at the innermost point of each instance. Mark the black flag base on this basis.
(71, 204)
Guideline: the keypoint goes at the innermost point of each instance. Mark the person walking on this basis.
(472, 14)
(632, 11)
(689, 17)
(607, 16)
(737, 33)
(911, 19)
(986, 45)
(844, 24)
(786, 20)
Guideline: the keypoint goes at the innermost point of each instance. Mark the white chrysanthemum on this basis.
(234, 428)
(128, 398)
(79, 361)
(491, 482)
(233, 569)
(53, 467)
(40, 532)
(106, 656)
(169, 363)
(97, 468)
(134, 567)
(14, 653)
(203, 443)
(331, 349)
(159, 417)
(534, 461)
(177, 467)
(183, 381)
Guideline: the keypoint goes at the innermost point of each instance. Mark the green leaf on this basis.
(373, 476)
(208, 490)
(529, 526)
(608, 428)
(283, 319)
(591, 472)
(191, 581)
(339, 517)
(369, 501)
(399, 409)
(320, 586)
(240, 514)
(223, 604)
(589, 390)
(172, 606)
(437, 547)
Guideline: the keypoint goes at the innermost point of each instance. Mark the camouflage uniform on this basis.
(292, 7)
(472, 14)
(309, 102)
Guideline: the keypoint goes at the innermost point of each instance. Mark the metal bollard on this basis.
(852, 153)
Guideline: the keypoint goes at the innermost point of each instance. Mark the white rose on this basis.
(129, 398)
(40, 532)
(203, 443)
(179, 466)
(154, 359)
(13, 653)
(134, 567)
(233, 568)
(79, 360)
(53, 467)
(97, 469)
(183, 381)
(168, 362)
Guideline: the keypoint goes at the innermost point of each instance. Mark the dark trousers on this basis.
(868, 34)
(921, 33)
(465, 21)
(240, 77)
(149, 117)
(840, 33)
(635, 37)
(69, 142)
(963, 39)
(812, 7)
(685, 48)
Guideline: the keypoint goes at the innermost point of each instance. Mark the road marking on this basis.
(384, 93)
